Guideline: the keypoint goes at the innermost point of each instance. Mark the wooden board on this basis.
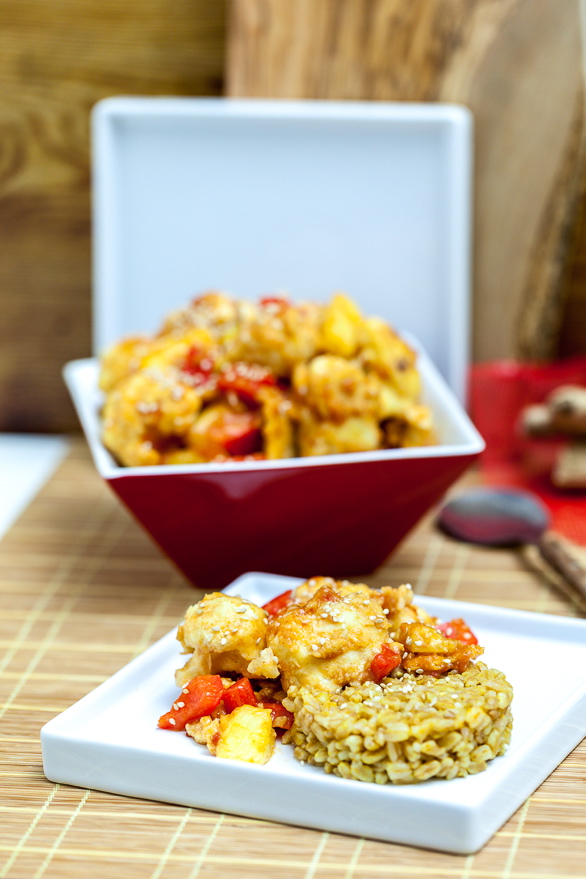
(516, 63)
(57, 59)
(83, 590)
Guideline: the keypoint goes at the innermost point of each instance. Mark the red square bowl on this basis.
(337, 515)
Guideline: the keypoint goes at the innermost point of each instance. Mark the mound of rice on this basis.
(405, 729)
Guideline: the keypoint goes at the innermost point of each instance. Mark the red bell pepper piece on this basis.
(198, 364)
(281, 717)
(242, 439)
(458, 630)
(274, 300)
(384, 662)
(239, 693)
(198, 698)
(276, 605)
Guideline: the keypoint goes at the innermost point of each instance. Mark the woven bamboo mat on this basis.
(82, 591)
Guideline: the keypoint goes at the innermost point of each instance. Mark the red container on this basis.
(250, 196)
(337, 515)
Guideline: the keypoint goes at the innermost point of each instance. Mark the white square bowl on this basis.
(253, 196)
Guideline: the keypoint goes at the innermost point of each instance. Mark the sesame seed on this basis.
(171, 721)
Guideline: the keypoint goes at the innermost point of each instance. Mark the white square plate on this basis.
(109, 741)
(253, 196)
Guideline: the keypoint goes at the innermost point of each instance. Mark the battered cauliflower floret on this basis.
(139, 352)
(391, 358)
(214, 311)
(398, 603)
(205, 731)
(413, 427)
(224, 634)
(147, 416)
(335, 388)
(358, 433)
(178, 352)
(279, 335)
(428, 651)
(328, 642)
(301, 594)
(122, 359)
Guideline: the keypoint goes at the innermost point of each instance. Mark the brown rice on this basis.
(407, 728)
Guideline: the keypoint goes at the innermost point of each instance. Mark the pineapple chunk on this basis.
(341, 327)
(246, 734)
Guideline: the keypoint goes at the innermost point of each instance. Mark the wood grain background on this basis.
(516, 63)
(57, 58)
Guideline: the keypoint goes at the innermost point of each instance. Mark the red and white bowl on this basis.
(245, 196)
(339, 515)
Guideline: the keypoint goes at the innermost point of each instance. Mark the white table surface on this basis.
(26, 462)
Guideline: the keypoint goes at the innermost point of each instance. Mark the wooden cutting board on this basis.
(517, 64)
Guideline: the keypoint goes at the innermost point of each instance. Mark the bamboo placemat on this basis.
(83, 590)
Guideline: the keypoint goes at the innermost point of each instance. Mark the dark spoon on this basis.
(509, 517)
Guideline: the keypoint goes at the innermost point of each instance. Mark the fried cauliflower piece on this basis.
(279, 334)
(302, 593)
(224, 634)
(391, 358)
(354, 434)
(398, 604)
(335, 388)
(214, 311)
(328, 642)
(396, 601)
(414, 427)
(140, 352)
(147, 416)
(122, 359)
(205, 731)
(428, 651)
